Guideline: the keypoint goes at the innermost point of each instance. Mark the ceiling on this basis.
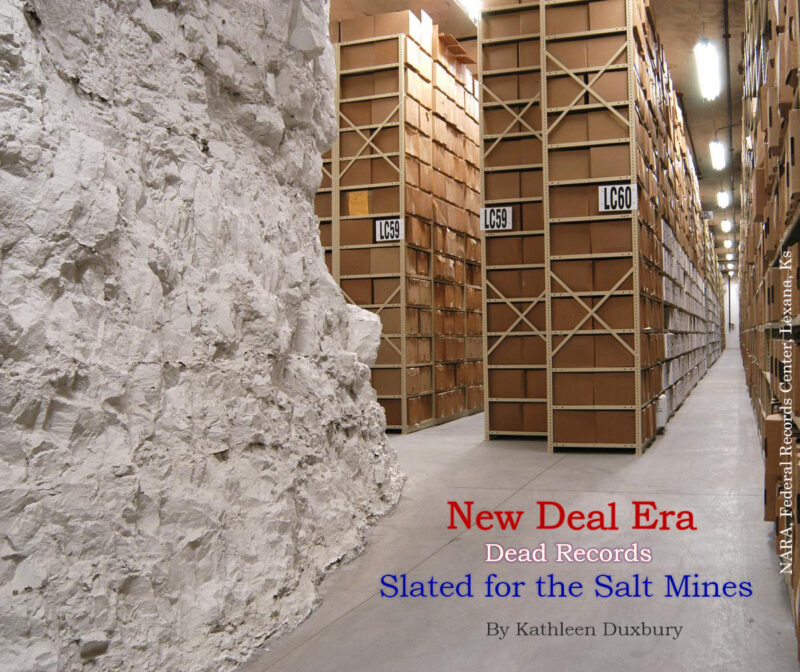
(681, 23)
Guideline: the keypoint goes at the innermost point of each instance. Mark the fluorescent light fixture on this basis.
(472, 8)
(728, 243)
(719, 157)
(729, 257)
(709, 72)
(726, 226)
(730, 267)
(723, 199)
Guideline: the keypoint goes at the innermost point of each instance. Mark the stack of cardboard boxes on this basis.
(770, 255)
(515, 310)
(577, 322)
(398, 208)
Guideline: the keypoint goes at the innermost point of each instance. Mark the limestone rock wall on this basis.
(188, 439)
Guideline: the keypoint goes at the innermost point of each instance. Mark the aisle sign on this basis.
(618, 197)
(497, 219)
(389, 229)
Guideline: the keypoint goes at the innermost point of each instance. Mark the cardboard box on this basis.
(608, 272)
(361, 86)
(475, 397)
(382, 259)
(499, 317)
(611, 87)
(356, 114)
(501, 88)
(385, 290)
(569, 165)
(473, 348)
(570, 239)
(325, 234)
(402, 22)
(390, 322)
(536, 384)
(357, 173)
(474, 324)
(534, 417)
(359, 291)
(506, 384)
(561, 20)
(569, 54)
(614, 389)
(611, 236)
(533, 250)
(573, 276)
(771, 499)
(532, 282)
(357, 29)
(355, 232)
(530, 184)
(564, 92)
(354, 262)
(567, 314)
(615, 427)
(609, 352)
(607, 14)
(572, 128)
(322, 205)
(611, 161)
(387, 354)
(772, 444)
(528, 53)
(529, 23)
(573, 201)
(500, 56)
(532, 216)
(393, 411)
(501, 25)
(423, 351)
(502, 186)
(529, 86)
(505, 417)
(572, 389)
(387, 382)
(507, 352)
(616, 312)
(498, 120)
(507, 152)
(419, 410)
(573, 427)
(600, 50)
(418, 380)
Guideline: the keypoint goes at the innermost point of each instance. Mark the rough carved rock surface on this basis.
(186, 442)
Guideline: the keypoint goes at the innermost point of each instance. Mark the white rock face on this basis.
(187, 441)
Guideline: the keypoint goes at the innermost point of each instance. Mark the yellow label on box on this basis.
(358, 202)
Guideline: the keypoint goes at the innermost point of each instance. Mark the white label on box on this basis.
(390, 229)
(497, 219)
(619, 197)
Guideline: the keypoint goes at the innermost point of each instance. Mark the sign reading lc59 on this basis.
(496, 219)
(389, 230)
(619, 197)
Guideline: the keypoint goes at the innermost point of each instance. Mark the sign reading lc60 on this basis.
(619, 197)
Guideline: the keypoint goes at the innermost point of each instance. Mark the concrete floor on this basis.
(708, 462)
